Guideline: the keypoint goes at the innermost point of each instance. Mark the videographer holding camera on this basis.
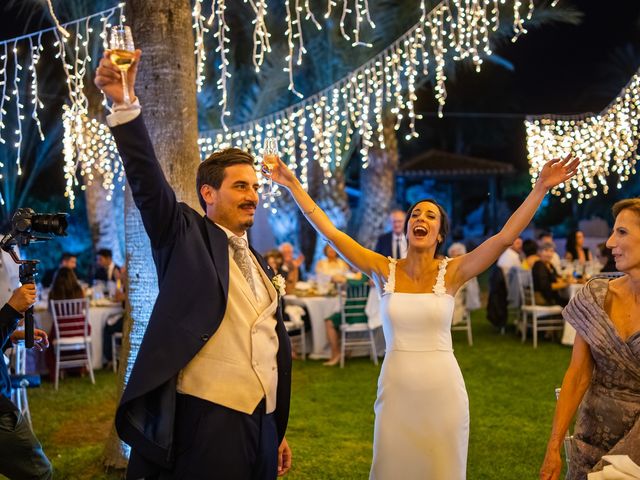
(21, 454)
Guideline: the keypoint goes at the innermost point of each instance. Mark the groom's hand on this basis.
(284, 458)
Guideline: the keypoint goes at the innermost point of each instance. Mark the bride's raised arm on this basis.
(365, 260)
(478, 260)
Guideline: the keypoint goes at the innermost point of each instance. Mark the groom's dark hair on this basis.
(211, 171)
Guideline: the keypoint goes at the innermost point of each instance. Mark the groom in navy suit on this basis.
(208, 395)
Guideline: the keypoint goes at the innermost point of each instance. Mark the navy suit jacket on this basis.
(191, 256)
(383, 245)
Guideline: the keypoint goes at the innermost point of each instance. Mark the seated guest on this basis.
(607, 260)
(530, 250)
(67, 260)
(575, 250)
(106, 269)
(546, 236)
(394, 243)
(510, 258)
(332, 266)
(468, 296)
(333, 322)
(275, 260)
(547, 283)
(291, 265)
(65, 286)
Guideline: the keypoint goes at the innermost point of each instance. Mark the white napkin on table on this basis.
(621, 468)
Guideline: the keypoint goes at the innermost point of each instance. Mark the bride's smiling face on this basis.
(423, 226)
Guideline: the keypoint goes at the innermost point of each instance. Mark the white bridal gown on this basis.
(422, 410)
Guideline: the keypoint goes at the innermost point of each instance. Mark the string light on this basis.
(323, 126)
(35, 100)
(606, 143)
(19, 106)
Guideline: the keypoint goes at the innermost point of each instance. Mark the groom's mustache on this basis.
(248, 204)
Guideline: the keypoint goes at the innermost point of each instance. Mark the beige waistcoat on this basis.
(237, 366)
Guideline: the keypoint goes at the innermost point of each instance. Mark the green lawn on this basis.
(510, 389)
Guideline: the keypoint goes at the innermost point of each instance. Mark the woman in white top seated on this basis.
(332, 267)
(467, 297)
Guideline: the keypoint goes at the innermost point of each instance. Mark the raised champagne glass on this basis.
(269, 161)
(122, 54)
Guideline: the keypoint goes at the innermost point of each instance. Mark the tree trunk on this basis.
(377, 186)
(166, 88)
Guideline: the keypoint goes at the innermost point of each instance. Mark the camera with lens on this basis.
(26, 222)
(28, 226)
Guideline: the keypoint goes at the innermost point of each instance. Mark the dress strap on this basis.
(390, 284)
(439, 288)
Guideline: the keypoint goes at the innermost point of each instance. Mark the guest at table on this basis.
(547, 283)
(530, 250)
(275, 260)
(546, 236)
(603, 379)
(67, 260)
(332, 267)
(468, 296)
(65, 286)
(291, 265)
(333, 322)
(394, 243)
(106, 270)
(575, 249)
(606, 259)
(511, 257)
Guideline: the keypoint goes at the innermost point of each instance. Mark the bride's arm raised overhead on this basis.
(554, 172)
(365, 260)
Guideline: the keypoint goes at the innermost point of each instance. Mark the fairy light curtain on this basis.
(606, 143)
(321, 127)
(87, 146)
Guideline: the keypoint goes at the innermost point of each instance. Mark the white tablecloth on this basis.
(569, 333)
(98, 316)
(320, 308)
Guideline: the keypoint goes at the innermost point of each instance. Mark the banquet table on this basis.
(321, 307)
(99, 313)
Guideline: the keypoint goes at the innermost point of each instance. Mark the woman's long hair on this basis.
(571, 246)
(65, 285)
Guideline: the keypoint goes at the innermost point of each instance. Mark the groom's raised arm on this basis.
(152, 194)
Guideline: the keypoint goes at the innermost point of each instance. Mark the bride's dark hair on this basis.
(444, 221)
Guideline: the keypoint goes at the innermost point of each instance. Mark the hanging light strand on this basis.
(606, 143)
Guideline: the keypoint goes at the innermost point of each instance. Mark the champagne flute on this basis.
(269, 161)
(122, 54)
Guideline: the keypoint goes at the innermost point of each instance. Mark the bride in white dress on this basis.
(422, 411)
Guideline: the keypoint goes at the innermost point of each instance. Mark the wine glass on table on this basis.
(269, 161)
(122, 54)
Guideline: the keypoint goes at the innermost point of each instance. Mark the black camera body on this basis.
(28, 226)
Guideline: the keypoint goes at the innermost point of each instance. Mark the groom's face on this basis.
(234, 204)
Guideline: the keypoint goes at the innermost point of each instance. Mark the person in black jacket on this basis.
(209, 393)
(21, 454)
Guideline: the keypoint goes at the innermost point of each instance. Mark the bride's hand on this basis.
(280, 174)
(551, 466)
(557, 171)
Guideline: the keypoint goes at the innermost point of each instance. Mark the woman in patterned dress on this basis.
(603, 379)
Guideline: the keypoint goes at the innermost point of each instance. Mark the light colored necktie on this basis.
(243, 260)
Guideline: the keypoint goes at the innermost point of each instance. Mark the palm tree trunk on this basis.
(377, 185)
(166, 88)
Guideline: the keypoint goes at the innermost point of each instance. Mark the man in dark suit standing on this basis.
(107, 270)
(208, 395)
(394, 243)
